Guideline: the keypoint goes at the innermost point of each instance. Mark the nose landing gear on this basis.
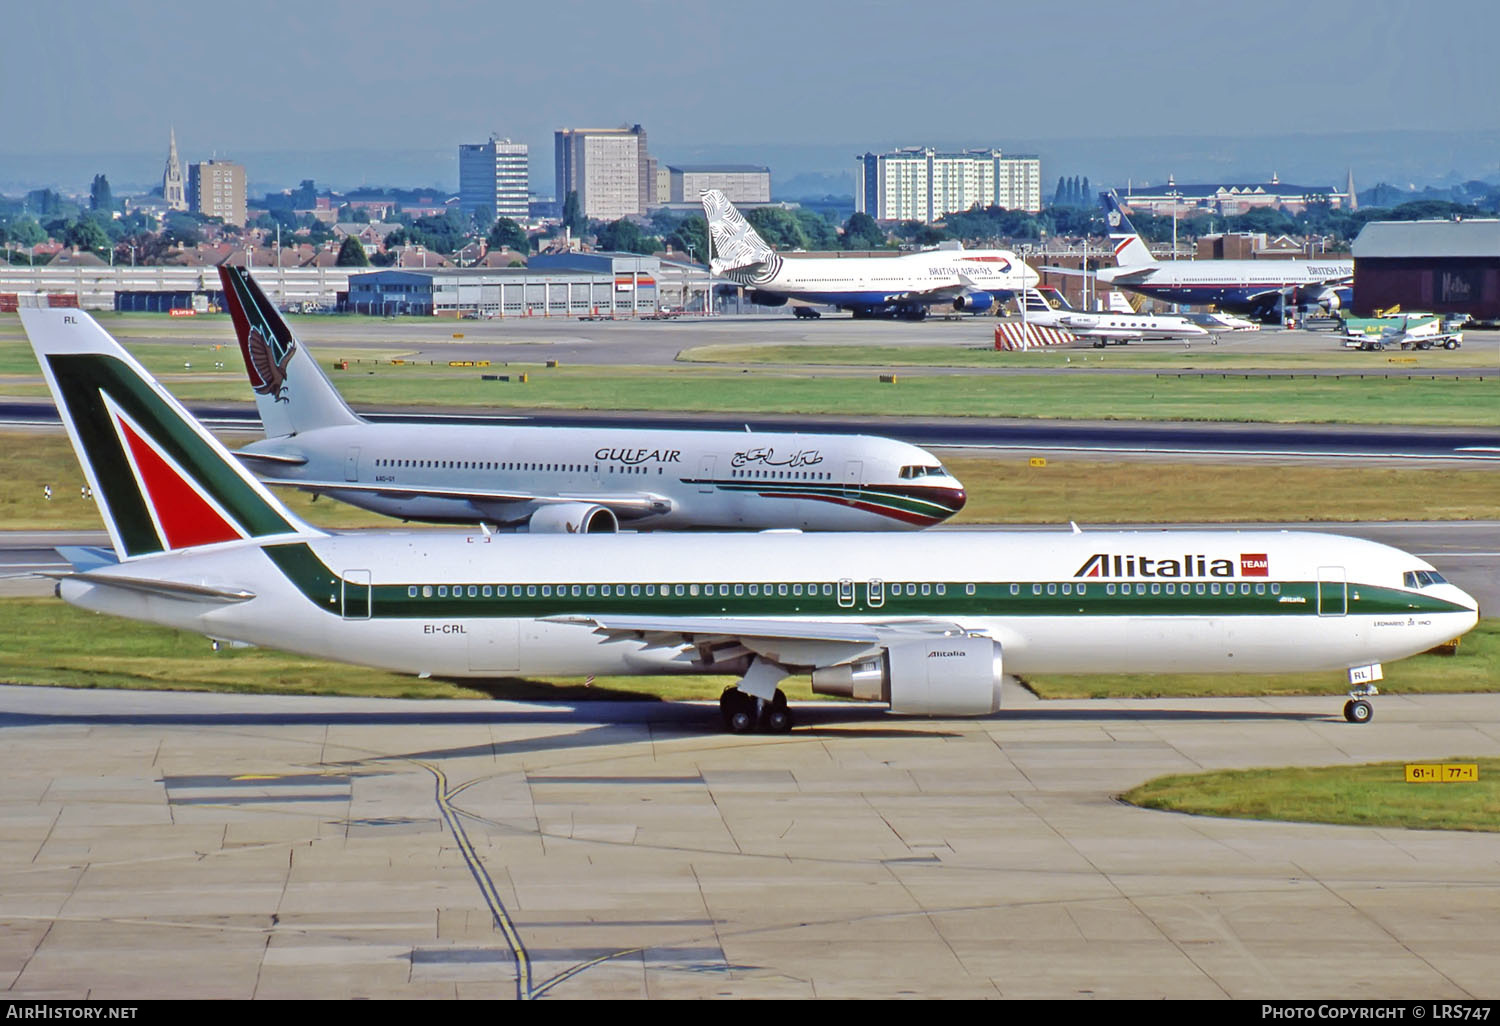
(1358, 709)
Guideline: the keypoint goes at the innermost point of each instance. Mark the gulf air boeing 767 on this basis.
(567, 480)
(925, 622)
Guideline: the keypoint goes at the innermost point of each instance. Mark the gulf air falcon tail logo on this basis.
(266, 360)
(265, 341)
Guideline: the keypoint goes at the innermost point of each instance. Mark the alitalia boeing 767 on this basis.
(925, 622)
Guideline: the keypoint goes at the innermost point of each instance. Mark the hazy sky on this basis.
(319, 75)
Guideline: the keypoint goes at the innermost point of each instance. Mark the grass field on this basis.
(47, 642)
(1001, 490)
(1369, 795)
(1475, 667)
(1326, 354)
(1444, 401)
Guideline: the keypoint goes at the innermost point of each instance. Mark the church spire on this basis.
(172, 191)
(1353, 202)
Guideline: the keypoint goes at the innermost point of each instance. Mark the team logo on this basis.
(1254, 564)
(268, 362)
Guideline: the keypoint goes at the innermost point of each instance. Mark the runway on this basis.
(1122, 439)
(215, 846)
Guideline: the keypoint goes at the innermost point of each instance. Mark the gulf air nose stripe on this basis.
(183, 514)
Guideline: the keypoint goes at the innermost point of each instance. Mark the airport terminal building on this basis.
(560, 285)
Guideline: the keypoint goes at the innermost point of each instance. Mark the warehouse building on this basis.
(1447, 267)
(566, 285)
(741, 183)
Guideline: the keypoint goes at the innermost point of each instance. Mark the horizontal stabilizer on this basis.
(83, 558)
(161, 589)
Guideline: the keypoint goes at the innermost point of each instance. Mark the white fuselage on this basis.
(1233, 284)
(683, 479)
(877, 281)
(1116, 325)
(458, 604)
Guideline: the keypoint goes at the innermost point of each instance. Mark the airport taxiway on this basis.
(217, 846)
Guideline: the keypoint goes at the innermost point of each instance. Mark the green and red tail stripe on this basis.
(163, 483)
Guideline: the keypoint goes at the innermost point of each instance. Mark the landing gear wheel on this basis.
(1357, 710)
(778, 716)
(738, 711)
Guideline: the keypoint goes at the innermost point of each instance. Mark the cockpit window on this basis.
(908, 473)
(1422, 578)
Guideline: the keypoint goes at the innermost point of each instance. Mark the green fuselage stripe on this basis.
(436, 599)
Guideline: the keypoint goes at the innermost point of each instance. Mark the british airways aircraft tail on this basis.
(1130, 250)
(736, 246)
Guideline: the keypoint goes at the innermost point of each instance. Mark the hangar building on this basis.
(1432, 266)
(566, 285)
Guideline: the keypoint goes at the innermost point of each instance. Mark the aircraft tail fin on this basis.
(292, 393)
(736, 245)
(162, 482)
(1130, 250)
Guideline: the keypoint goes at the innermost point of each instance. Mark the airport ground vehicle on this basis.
(1406, 331)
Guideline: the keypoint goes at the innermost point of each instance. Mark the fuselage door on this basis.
(846, 592)
(706, 473)
(356, 602)
(351, 464)
(875, 593)
(1333, 591)
(854, 477)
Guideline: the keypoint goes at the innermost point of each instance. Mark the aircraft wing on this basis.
(630, 502)
(1117, 275)
(941, 293)
(814, 643)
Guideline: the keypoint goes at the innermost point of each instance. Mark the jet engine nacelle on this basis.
(954, 676)
(974, 302)
(573, 518)
(760, 298)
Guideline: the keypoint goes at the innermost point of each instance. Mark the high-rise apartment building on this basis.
(923, 184)
(216, 188)
(494, 174)
(609, 168)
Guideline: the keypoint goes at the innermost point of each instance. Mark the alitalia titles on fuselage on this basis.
(1106, 564)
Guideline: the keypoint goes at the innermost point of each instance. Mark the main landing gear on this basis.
(1358, 709)
(745, 713)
